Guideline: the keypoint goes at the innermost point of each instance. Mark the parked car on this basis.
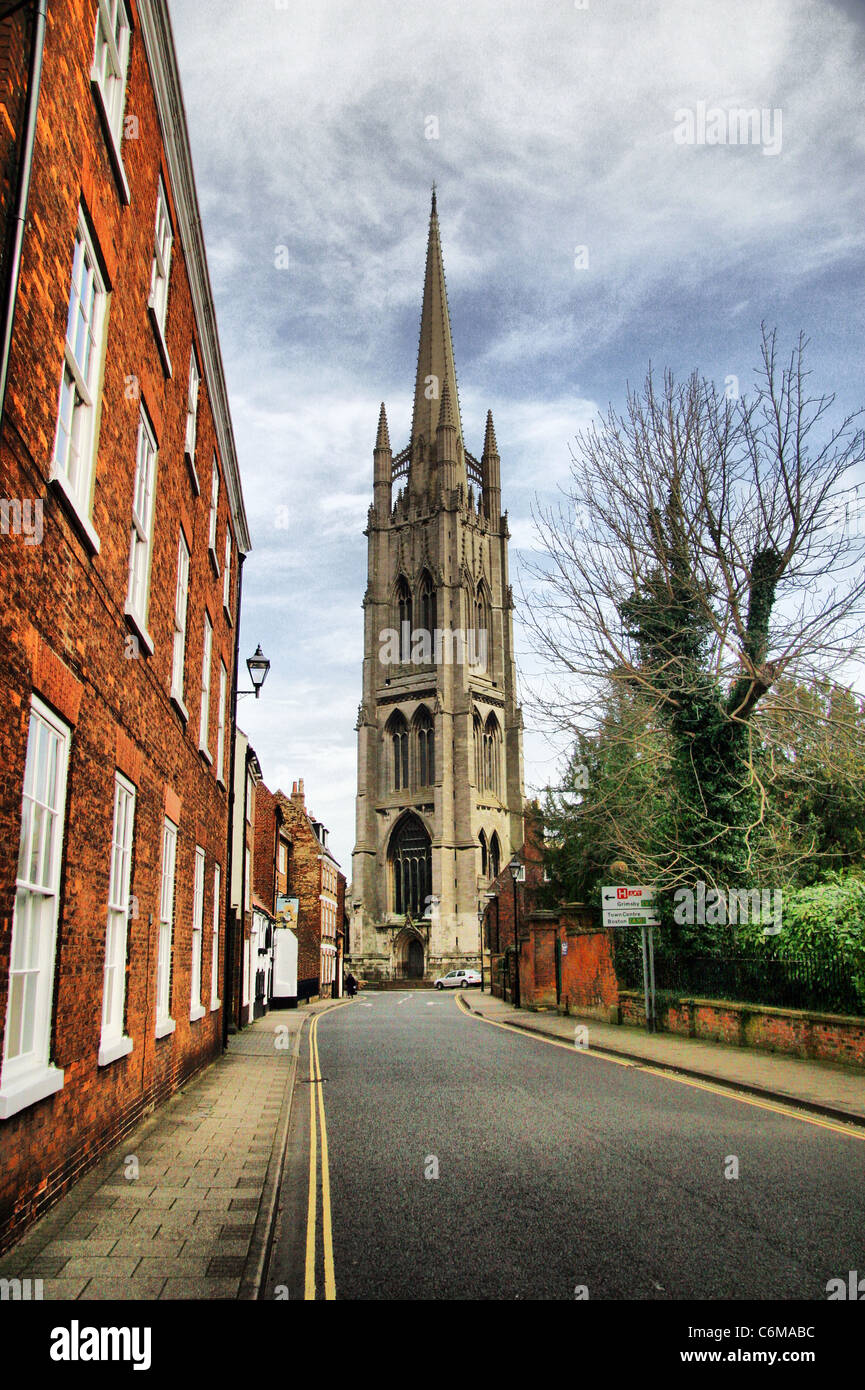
(458, 979)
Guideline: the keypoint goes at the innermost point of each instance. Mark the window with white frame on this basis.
(111, 62)
(248, 877)
(113, 1043)
(283, 857)
(220, 732)
(161, 260)
(181, 597)
(195, 1006)
(75, 440)
(214, 952)
(164, 1022)
(226, 578)
(204, 723)
(27, 1075)
(214, 505)
(192, 407)
(141, 536)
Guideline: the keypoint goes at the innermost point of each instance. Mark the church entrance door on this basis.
(415, 961)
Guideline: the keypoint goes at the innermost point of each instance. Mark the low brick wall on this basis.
(796, 1032)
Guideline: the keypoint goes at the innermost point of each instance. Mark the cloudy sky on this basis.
(316, 132)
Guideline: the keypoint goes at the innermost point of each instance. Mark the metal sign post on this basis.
(627, 905)
(651, 934)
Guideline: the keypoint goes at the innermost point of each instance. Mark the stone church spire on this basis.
(435, 359)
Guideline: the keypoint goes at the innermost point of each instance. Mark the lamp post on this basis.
(483, 908)
(516, 870)
(258, 666)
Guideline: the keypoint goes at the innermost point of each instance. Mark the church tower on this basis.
(440, 761)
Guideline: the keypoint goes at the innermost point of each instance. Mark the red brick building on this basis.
(123, 528)
(314, 878)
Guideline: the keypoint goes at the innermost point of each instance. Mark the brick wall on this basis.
(63, 633)
(589, 984)
(305, 885)
(794, 1032)
(264, 855)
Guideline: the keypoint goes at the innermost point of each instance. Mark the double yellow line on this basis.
(316, 1103)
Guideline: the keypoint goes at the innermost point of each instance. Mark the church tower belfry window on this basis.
(425, 736)
(397, 735)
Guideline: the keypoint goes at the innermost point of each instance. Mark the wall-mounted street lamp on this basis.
(258, 667)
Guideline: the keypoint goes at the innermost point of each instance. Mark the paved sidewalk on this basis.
(190, 1217)
(826, 1087)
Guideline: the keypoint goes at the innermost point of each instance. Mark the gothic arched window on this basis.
(479, 766)
(492, 740)
(495, 856)
(404, 609)
(481, 626)
(428, 605)
(426, 759)
(411, 864)
(482, 840)
(397, 732)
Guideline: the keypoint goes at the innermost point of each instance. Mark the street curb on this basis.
(255, 1269)
(646, 1063)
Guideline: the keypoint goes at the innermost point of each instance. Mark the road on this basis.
(467, 1161)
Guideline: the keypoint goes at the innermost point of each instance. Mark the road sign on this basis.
(627, 905)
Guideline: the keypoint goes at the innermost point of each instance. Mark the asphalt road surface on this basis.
(463, 1161)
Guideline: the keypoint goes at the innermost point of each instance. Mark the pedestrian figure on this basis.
(350, 985)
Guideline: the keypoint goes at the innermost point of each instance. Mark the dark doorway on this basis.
(415, 960)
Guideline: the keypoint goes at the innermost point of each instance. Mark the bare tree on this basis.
(697, 558)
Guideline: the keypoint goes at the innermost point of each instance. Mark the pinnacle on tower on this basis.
(382, 439)
(491, 448)
(446, 414)
(491, 472)
(435, 360)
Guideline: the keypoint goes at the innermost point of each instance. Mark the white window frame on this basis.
(73, 458)
(141, 531)
(282, 858)
(109, 74)
(214, 512)
(113, 1041)
(247, 971)
(160, 274)
(181, 603)
(191, 435)
(196, 1008)
(214, 950)
(165, 1024)
(28, 1075)
(248, 877)
(206, 662)
(220, 730)
(226, 577)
